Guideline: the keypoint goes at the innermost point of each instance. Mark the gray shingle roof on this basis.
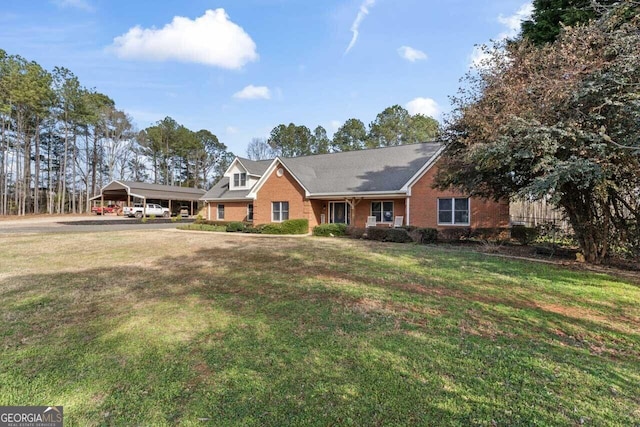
(153, 191)
(380, 169)
(377, 170)
(255, 167)
(221, 191)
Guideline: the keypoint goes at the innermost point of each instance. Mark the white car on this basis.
(139, 210)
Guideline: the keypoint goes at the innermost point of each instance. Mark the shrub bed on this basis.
(375, 233)
(423, 235)
(355, 232)
(396, 235)
(290, 226)
(524, 235)
(295, 226)
(270, 229)
(330, 230)
(251, 229)
(454, 234)
(202, 227)
(491, 234)
(235, 226)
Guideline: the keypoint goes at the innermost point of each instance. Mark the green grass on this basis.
(165, 328)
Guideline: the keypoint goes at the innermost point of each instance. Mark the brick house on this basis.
(385, 183)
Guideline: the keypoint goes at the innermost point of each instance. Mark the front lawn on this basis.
(165, 328)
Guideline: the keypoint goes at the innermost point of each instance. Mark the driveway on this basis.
(79, 224)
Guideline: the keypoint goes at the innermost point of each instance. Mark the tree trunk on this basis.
(591, 224)
(94, 161)
(74, 159)
(16, 181)
(26, 174)
(63, 173)
(50, 192)
(3, 169)
(87, 173)
(36, 186)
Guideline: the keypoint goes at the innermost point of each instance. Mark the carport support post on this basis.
(191, 213)
(144, 207)
(169, 207)
(101, 203)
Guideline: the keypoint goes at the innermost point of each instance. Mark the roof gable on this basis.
(270, 170)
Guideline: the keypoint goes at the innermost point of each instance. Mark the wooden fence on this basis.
(536, 213)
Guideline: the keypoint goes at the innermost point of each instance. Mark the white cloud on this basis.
(512, 22)
(334, 125)
(411, 54)
(425, 106)
(78, 4)
(231, 130)
(355, 27)
(212, 39)
(253, 92)
(480, 55)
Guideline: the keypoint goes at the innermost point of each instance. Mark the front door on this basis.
(339, 213)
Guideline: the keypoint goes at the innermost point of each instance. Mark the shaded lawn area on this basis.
(165, 328)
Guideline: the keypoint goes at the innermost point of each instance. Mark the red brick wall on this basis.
(282, 189)
(316, 210)
(424, 206)
(233, 211)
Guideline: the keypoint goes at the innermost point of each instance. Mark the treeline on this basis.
(393, 126)
(60, 142)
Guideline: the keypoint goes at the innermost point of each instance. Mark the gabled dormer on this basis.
(242, 174)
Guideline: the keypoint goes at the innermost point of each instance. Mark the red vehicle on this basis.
(99, 210)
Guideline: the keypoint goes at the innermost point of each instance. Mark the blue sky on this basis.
(240, 67)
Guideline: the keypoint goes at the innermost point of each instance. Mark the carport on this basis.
(170, 196)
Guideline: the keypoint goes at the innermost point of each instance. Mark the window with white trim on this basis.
(383, 211)
(453, 211)
(240, 179)
(220, 215)
(279, 211)
(250, 212)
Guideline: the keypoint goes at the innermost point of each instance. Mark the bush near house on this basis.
(491, 234)
(355, 232)
(290, 226)
(250, 229)
(202, 227)
(330, 230)
(396, 235)
(375, 233)
(295, 226)
(231, 226)
(235, 226)
(524, 235)
(454, 234)
(423, 235)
